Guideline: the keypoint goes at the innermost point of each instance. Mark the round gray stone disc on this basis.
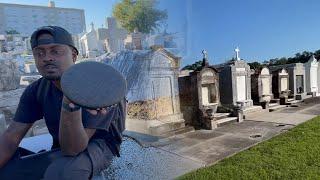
(93, 85)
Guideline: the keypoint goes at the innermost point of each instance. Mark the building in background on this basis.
(116, 35)
(92, 42)
(24, 19)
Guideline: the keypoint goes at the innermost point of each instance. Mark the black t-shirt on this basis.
(42, 99)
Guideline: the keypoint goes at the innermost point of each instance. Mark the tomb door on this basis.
(283, 84)
(241, 88)
(313, 79)
(265, 82)
(299, 84)
(209, 94)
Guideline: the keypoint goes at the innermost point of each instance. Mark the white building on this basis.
(318, 78)
(25, 19)
(135, 41)
(114, 41)
(91, 44)
(311, 68)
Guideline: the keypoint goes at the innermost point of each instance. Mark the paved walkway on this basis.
(207, 147)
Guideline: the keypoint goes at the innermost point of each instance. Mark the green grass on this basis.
(291, 155)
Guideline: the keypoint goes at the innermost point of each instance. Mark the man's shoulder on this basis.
(34, 86)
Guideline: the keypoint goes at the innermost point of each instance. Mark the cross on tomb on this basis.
(205, 54)
(237, 50)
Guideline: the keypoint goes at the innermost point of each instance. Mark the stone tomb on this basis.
(311, 68)
(153, 95)
(297, 80)
(199, 95)
(235, 85)
(318, 94)
(261, 87)
(280, 84)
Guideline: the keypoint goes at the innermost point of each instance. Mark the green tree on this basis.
(255, 65)
(317, 54)
(139, 14)
(193, 66)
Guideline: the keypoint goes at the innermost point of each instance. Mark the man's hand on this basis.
(73, 137)
(91, 111)
(97, 111)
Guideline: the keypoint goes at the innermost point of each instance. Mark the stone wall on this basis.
(10, 75)
(9, 101)
(151, 109)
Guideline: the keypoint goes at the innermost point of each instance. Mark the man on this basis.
(84, 141)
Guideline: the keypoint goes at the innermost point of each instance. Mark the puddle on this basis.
(294, 105)
(256, 136)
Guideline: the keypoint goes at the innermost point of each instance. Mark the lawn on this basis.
(291, 155)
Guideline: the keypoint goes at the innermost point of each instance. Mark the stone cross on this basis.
(205, 62)
(237, 50)
(205, 54)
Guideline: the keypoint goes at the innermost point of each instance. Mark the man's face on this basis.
(53, 59)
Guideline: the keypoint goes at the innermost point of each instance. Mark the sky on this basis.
(262, 29)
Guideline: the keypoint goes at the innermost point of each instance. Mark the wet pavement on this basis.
(292, 118)
(211, 146)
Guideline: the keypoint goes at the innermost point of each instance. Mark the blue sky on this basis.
(262, 29)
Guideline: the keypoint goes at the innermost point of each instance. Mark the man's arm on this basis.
(10, 139)
(73, 137)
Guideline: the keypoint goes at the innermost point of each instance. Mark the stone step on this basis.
(170, 118)
(220, 122)
(291, 99)
(252, 109)
(277, 107)
(308, 96)
(178, 131)
(275, 101)
(165, 127)
(294, 102)
(273, 104)
(221, 115)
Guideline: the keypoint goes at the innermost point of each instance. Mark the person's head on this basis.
(53, 51)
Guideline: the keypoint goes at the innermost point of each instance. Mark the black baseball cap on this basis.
(60, 36)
